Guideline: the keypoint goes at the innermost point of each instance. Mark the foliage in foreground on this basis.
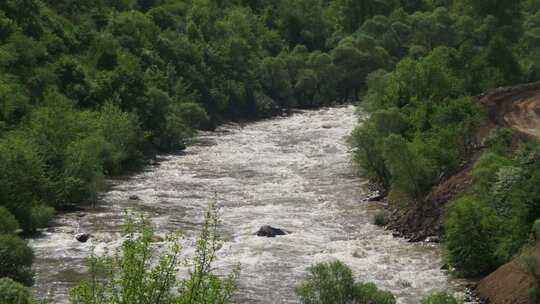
(16, 259)
(12, 292)
(333, 283)
(139, 273)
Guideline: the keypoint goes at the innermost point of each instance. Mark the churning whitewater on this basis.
(294, 173)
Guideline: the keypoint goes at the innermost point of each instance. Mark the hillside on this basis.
(515, 107)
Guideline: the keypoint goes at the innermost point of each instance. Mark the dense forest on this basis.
(90, 89)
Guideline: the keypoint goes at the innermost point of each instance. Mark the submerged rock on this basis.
(134, 198)
(82, 237)
(269, 231)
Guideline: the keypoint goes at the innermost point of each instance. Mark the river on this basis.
(291, 172)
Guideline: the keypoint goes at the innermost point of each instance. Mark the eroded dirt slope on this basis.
(515, 107)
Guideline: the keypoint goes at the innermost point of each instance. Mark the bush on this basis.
(327, 283)
(12, 292)
(535, 231)
(8, 223)
(41, 216)
(123, 137)
(411, 177)
(132, 275)
(22, 176)
(368, 293)
(471, 229)
(441, 298)
(382, 218)
(332, 283)
(500, 140)
(16, 259)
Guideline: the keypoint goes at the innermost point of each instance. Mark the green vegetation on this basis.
(16, 259)
(441, 298)
(333, 283)
(89, 89)
(423, 120)
(139, 273)
(12, 292)
(492, 222)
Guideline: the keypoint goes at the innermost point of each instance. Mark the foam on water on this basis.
(294, 173)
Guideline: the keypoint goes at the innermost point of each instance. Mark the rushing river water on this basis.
(294, 173)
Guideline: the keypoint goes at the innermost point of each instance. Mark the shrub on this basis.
(441, 298)
(132, 276)
(471, 227)
(41, 216)
(8, 223)
(333, 283)
(536, 230)
(327, 283)
(16, 259)
(12, 292)
(411, 177)
(382, 218)
(22, 176)
(368, 293)
(500, 140)
(123, 137)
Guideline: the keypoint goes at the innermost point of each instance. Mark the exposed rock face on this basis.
(82, 237)
(269, 231)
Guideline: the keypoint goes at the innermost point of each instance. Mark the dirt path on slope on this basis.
(515, 107)
(525, 116)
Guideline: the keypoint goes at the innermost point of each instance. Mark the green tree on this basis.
(8, 222)
(16, 259)
(471, 228)
(12, 292)
(137, 273)
(333, 283)
(413, 178)
(23, 182)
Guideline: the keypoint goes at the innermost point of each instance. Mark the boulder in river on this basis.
(269, 231)
(82, 237)
(134, 198)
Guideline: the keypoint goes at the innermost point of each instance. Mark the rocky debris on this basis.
(134, 197)
(69, 207)
(433, 239)
(375, 197)
(154, 163)
(82, 237)
(404, 283)
(269, 231)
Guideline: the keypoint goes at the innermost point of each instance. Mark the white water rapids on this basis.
(293, 173)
